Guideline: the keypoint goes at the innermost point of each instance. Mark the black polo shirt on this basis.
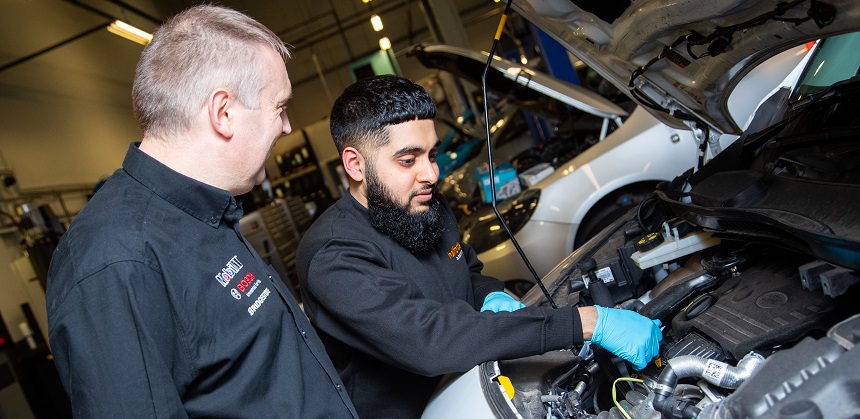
(158, 307)
(394, 321)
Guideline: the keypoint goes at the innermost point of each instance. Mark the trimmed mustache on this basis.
(429, 189)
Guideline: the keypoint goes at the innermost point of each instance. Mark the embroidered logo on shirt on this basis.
(252, 288)
(228, 272)
(456, 252)
(245, 282)
(235, 294)
(260, 300)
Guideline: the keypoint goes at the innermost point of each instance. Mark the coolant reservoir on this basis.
(674, 245)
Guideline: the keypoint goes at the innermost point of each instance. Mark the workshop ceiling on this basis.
(61, 47)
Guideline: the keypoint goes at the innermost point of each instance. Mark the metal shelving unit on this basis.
(275, 230)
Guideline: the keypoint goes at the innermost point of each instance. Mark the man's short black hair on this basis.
(361, 114)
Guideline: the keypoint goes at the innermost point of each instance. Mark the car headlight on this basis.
(484, 231)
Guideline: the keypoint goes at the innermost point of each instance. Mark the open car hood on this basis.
(693, 52)
(509, 78)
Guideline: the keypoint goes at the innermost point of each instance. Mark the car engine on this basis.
(751, 264)
(750, 330)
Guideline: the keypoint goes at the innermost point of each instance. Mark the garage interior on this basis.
(65, 106)
(740, 257)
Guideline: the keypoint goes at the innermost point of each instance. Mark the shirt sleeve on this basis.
(363, 303)
(115, 342)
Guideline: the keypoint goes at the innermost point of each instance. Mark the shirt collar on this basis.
(203, 202)
(351, 201)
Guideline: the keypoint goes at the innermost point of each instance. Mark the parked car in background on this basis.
(521, 102)
(751, 260)
(464, 143)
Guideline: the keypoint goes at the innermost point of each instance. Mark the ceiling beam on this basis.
(338, 28)
(53, 47)
(408, 38)
(137, 11)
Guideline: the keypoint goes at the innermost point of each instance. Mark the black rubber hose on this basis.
(668, 405)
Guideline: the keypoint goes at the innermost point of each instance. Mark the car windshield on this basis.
(835, 60)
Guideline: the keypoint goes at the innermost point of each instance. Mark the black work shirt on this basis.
(157, 307)
(394, 322)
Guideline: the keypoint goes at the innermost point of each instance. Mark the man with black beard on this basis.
(397, 298)
(416, 232)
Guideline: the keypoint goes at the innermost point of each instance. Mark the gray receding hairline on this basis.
(192, 53)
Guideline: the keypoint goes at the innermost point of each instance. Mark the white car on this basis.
(583, 195)
(521, 100)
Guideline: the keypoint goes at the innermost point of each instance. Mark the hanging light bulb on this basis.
(365, 1)
(376, 21)
(384, 43)
(523, 59)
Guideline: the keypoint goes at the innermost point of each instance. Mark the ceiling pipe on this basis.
(137, 11)
(53, 47)
(285, 32)
(322, 78)
(92, 9)
(338, 29)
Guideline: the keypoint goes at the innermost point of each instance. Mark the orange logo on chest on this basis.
(454, 251)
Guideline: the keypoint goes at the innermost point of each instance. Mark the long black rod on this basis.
(490, 157)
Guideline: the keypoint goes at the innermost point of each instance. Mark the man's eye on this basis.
(433, 156)
(407, 162)
(283, 108)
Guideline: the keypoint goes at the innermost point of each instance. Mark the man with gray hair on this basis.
(157, 306)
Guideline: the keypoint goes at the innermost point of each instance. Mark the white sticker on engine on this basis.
(603, 274)
(714, 371)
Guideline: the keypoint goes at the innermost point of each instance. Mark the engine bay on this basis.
(750, 330)
(751, 263)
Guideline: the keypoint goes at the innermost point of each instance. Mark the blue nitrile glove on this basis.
(497, 301)
(628, 335)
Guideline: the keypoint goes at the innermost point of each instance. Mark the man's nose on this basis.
(286, 128)
(429, 172)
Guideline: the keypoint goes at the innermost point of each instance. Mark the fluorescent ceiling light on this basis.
(376, 21)
(384, 43)
(129, 32)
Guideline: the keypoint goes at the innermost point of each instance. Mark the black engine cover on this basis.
(764, 306)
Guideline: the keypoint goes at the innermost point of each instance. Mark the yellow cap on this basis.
(505, 382)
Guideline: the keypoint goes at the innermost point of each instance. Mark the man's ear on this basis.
(353, 163)
(221, 107)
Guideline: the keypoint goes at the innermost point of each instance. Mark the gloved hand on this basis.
(497, 301)
(627, 334)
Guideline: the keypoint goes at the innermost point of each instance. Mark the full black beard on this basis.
(417, 232)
